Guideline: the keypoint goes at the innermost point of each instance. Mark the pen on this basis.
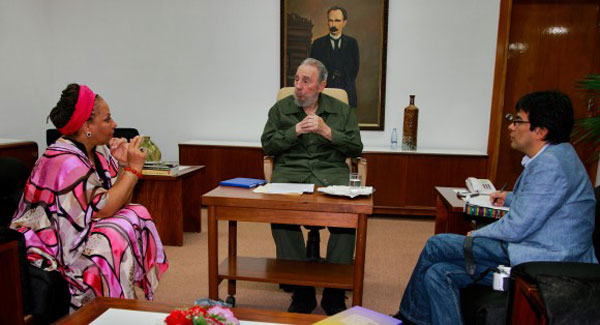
(502, 188)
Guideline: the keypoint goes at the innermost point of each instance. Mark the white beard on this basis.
(309, 101)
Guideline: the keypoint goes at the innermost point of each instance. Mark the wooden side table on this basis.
(449, 215)
(173, 201)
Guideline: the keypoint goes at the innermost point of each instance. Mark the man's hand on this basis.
(498, 198)
(313, 124)
(118, 148)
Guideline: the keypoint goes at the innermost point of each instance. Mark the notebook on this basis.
(243, 182)
(480, 206)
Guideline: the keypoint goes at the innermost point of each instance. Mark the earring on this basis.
(89, 134)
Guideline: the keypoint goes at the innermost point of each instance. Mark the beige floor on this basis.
(393, 246)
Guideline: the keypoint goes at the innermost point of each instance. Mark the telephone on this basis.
(481, 186)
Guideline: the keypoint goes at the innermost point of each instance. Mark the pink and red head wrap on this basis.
(83, 110)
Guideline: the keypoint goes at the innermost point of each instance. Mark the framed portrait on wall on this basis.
(350, 38)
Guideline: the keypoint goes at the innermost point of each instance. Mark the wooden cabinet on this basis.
(404, 181)
(25, 151)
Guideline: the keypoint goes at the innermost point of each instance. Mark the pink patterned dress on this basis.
(98, 257)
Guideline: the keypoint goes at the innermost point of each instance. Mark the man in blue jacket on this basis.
(551, 215)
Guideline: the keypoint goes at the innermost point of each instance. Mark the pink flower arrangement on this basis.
(199, 315)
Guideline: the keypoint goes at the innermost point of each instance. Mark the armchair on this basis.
(541, 292)
(128, 133)
(43, 295)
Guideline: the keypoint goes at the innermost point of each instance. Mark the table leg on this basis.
(213, 254)
(232, 253)
(192, 205)
(359, 260)
(458, 224)
(441, 216)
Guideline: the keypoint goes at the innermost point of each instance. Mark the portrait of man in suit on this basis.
(332, 32)
(339, 52)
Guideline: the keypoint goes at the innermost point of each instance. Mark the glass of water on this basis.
(354, 183)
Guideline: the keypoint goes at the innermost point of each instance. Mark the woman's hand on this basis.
(118, 148)
(135, 156)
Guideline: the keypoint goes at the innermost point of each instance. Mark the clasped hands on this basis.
(313, 124)
(128, 154)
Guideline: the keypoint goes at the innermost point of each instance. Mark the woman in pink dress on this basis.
(76, 214)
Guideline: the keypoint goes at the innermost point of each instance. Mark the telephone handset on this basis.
(481, 186)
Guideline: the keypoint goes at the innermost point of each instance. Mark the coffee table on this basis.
(99, 305)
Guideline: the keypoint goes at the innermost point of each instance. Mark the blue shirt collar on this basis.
(526, 160)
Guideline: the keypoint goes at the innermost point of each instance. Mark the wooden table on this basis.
(96, 307)
(173, 201)
(317, 209)
(449, 215)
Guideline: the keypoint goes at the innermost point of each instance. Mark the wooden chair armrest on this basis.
(268, 164)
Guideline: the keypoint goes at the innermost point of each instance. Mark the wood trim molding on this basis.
(498, 90)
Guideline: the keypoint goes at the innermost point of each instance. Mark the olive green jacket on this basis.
(311, 158)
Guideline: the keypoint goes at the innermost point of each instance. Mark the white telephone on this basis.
(481, 186)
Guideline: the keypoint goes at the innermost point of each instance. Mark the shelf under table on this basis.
(259, 269)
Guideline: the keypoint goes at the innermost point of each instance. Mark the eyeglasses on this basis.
(514, 119)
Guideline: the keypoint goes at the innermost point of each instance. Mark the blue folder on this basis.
(243, 182)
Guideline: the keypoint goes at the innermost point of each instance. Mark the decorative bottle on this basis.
(411, 123)
(152, 151)
(394, 140)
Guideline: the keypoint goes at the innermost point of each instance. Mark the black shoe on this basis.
(333, 301)
(303, 300)
(401, 317)
(287, 287)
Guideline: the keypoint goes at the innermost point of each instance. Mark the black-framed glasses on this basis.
(514, 119)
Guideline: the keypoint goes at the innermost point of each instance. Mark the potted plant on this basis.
(587, 130)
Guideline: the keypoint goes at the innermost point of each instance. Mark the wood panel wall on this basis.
(404, 182)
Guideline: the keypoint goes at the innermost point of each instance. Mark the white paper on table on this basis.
(344, 190)
(285, 188)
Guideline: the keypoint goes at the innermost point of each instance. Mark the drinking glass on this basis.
(354, 183)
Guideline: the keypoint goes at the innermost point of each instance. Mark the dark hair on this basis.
(344, 12)
(552, 110)
(62, 112)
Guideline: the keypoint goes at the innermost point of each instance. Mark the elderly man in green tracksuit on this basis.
(311, 134)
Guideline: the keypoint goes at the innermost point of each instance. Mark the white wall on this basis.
(188, 69)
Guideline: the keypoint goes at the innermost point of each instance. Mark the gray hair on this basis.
(320, 67)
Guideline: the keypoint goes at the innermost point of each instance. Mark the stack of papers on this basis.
(343, 190)
(285, 188)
